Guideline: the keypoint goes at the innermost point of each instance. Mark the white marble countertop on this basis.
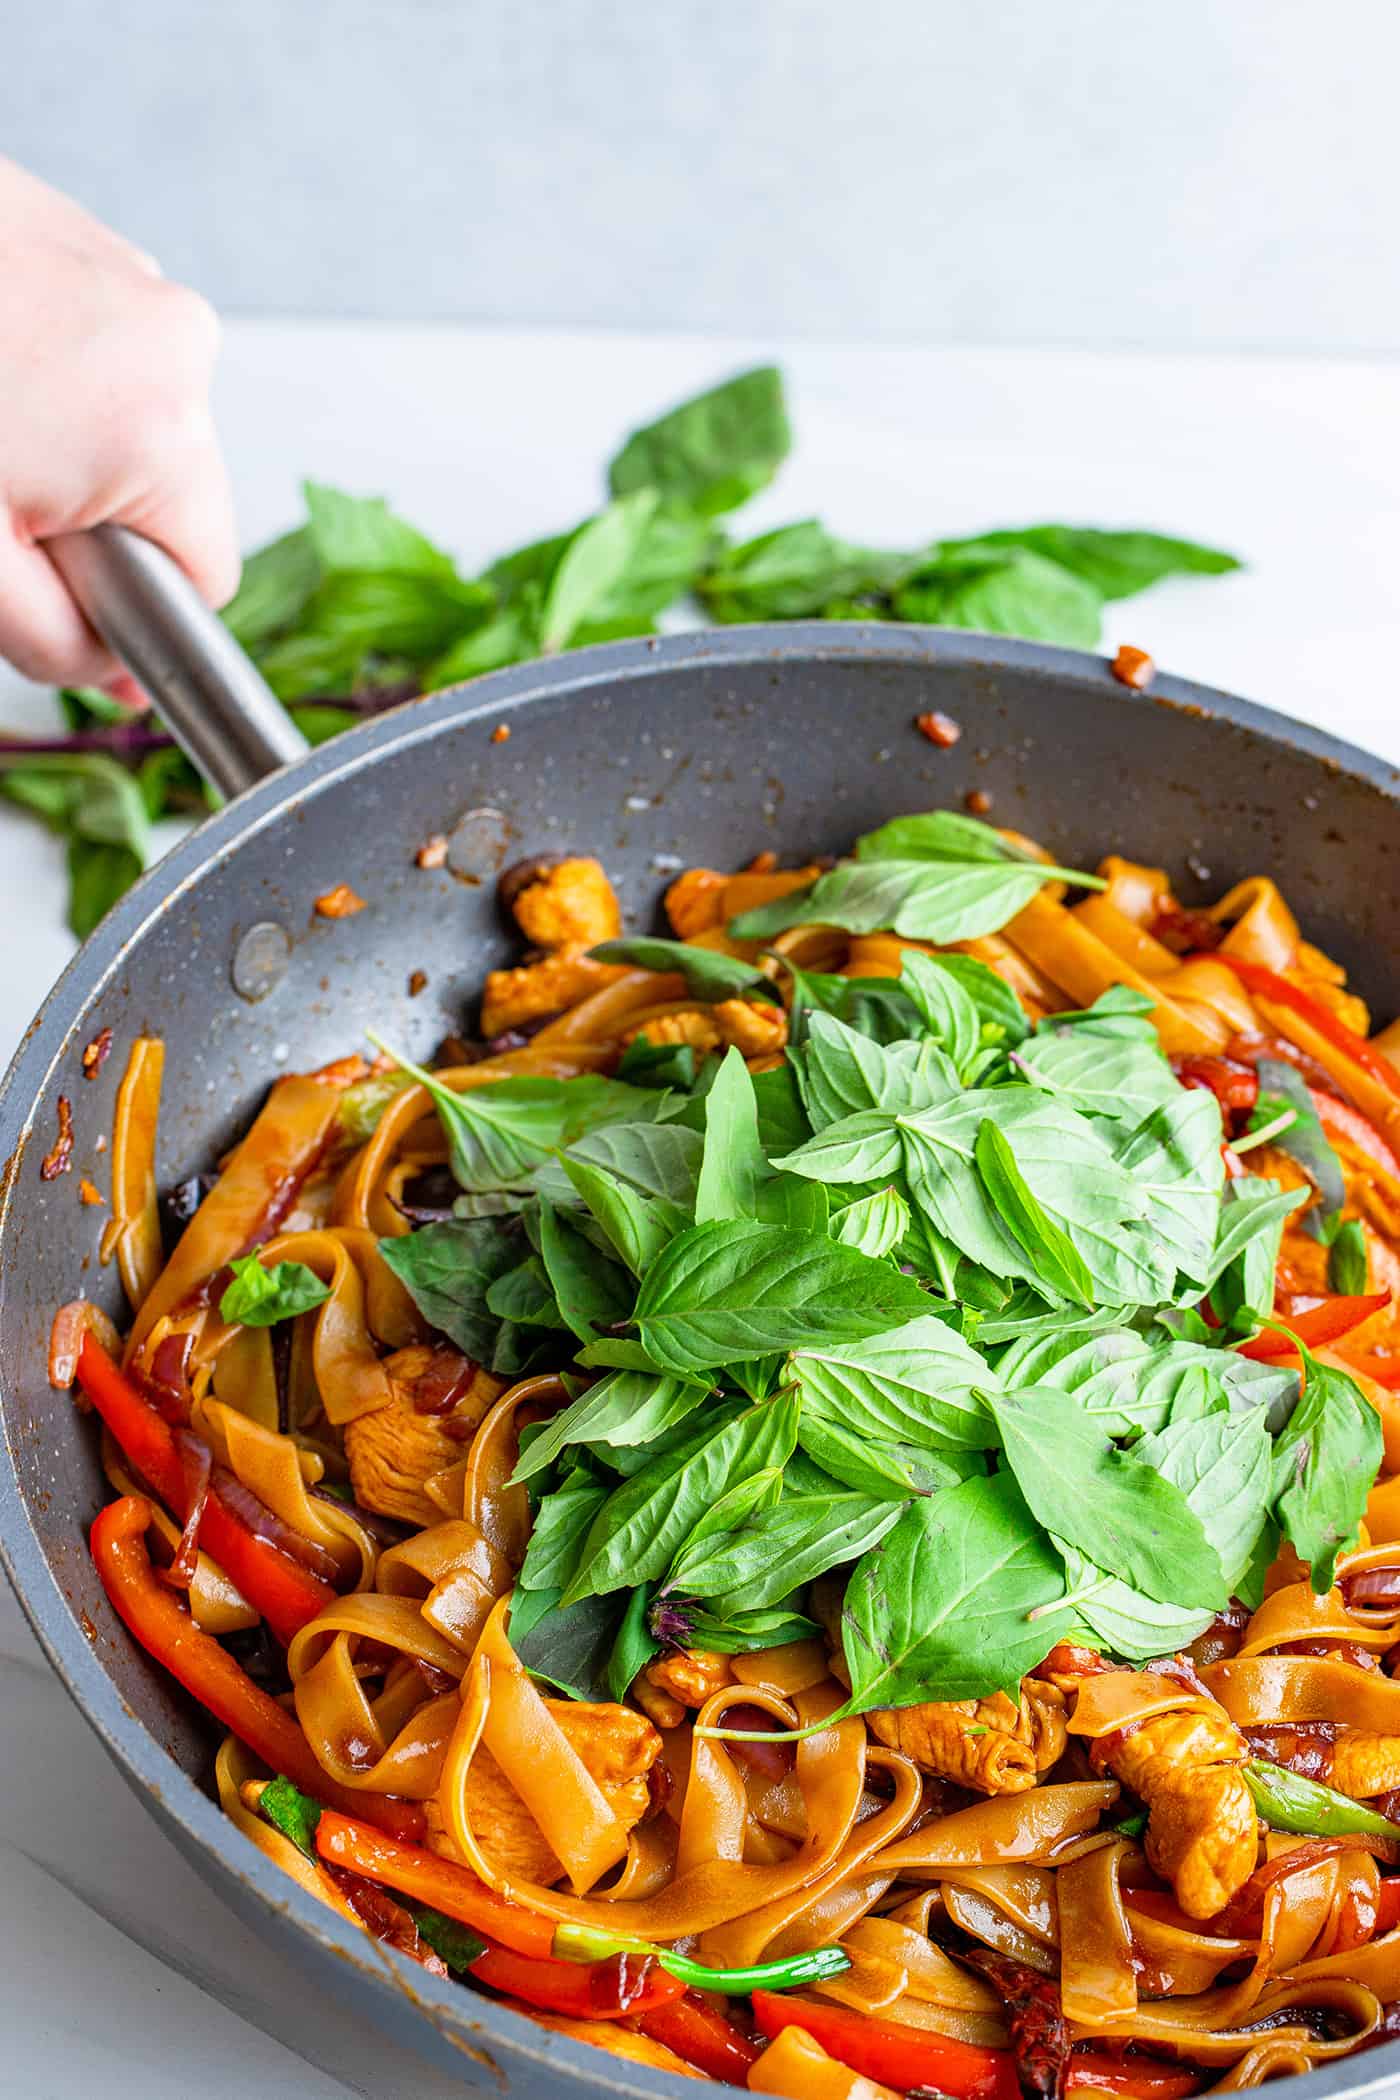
(117, 1966)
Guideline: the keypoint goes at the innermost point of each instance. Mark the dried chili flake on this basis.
(59, 1157)
(89, 1193)
(417, 982)
(977, 801)
(339, 903)
(96, 1052)
(1133, 667)
(501, 733)
(432, 853)
(940, 729)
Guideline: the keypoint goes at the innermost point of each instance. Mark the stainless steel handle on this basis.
(217, 707)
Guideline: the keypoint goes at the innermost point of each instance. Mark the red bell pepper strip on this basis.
(1388, 1905)
(286, 1594)
(1235, 1085)
(1269, 984)
(1382, 1370)
(704, 2038)
(893, 2054)
(345, 1841)
(622, 1988)
(1317, 1327)
(152, 1613)
(1340, 1120)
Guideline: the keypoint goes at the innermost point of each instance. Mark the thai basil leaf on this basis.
(625, 1409)
(1121, 1617)
(498, 1134)
(592, 566)
(562, 1524)
(926, 900)
(569, 1646)
(1221, 1463)
(639, 1528)
(1174, 1160)
(1000, 1013)
(259, 1297)
(1325, 1464)
(861, 1148)
(872, 1466)
(657, 1159)
(637, 1226)
(1001, 590)
(592, 1293)
(945, 1007)
(1128, 1381)
(1121, 1077)
(1056, 1262)
(1241, 1270)
(734, 1290)
(274, 588)
(525, 1297)
(1070, 1171)
(919, 1384)
(1281, 1088)
(874, 1225)
(1115, 564)
(1133, 1523)
(708, 973)
(448, 1269)
(352, 533)
(1348, 1266)
(842, 1073)
(658, 1064)
(783, 1547)
(793, 573)
(713, 452)
(733, 1168)
(1253, 1213)
(941, 835)
(743, 1631)
(634, 1646)
(941, 1608)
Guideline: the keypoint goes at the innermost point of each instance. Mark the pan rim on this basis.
(479, 2022)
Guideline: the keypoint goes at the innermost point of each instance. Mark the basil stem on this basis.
(583, 1943)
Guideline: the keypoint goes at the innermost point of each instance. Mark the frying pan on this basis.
(698, 747)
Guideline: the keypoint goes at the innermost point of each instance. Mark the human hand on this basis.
(104, 415)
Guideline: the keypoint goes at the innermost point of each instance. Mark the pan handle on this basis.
(218, 708)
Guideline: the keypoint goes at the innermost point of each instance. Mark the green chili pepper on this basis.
(1289, 1803)
(583, 1943)
(1132, 1826)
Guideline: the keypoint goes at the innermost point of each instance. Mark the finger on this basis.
(127, 690)
(190, 513)
(42, 632)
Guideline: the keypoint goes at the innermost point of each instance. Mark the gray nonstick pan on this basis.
(703, 747)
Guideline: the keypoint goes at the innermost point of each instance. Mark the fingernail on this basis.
(125, 689)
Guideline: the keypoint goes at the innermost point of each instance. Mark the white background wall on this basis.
(1204, 174)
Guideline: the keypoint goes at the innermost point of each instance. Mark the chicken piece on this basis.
(438, 1396)
(617, 2040)
(562, 904)
(1202, 1829)
(691, 1025)
(619, 1748)
(1364, 1763)
(695, 902)
(537, 991)
(690, 1676)
(989, 1744)
(757, 1029)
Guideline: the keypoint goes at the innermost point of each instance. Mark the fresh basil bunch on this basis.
(919, 1305)
(356, 610)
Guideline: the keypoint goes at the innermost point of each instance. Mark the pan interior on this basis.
(706, 749)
